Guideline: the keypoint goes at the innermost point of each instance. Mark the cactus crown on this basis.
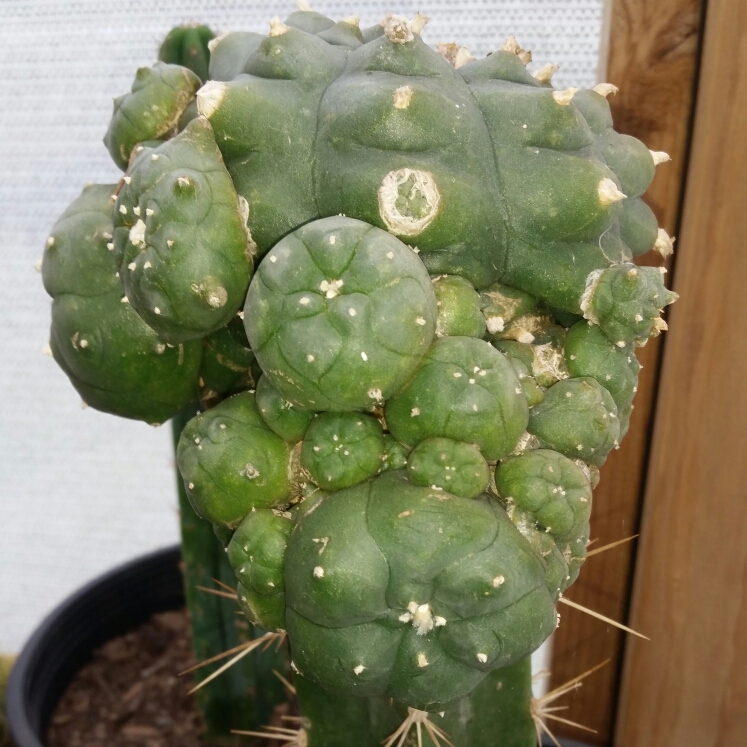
(408, 399)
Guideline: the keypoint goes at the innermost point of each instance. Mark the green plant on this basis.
(405, 415)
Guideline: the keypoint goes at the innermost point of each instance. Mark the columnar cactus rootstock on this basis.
(405, 414)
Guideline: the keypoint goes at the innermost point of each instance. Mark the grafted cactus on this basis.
(406, 405)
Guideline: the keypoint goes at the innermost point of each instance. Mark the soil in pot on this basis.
(130, 694)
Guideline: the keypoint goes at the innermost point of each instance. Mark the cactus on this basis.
(406, 403)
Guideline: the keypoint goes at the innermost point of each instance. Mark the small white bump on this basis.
(414, 412)
(273, 259)
(390, 255)
(318, 572)
(420, 321)
(305, 301)
(482, 658)
(352, 311)
(498, 581)
(132, 266)
(364, 356)
(156, 310)
(123, 209)
(359, 669)
(422, 661)
(310, 358)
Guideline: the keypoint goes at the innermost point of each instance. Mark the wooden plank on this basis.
(688, 686)
(652, 59)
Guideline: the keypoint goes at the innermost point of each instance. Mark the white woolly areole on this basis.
(277, 27)
(448, 50)
(463, 56)
(137, 233)
(495, 324)
(608, 192)
(424, 185)
(401, 31)
(605, 89)
(352, 21)
(545, 73)
(422, 617)
(513, 46)
(549, 360)
(210, 97)
(564, 97)
(664, 243)
(402, 97)
(592, 280)
(397, 29)
(418, 22)
(331, 288)
(213, 43)
(303, 5)
(660, 156)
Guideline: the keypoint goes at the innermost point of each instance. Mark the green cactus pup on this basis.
(395, 423)
(151, 111)
(188, 46)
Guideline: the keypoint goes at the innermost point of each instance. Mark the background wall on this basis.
(81, 491)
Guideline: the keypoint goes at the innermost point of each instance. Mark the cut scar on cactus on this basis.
(542, 711)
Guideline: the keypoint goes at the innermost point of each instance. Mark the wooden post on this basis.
(653, 48)
(688, 686)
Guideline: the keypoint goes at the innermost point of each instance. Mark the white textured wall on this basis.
(81, 491)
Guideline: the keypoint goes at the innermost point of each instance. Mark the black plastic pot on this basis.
(109, 606)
